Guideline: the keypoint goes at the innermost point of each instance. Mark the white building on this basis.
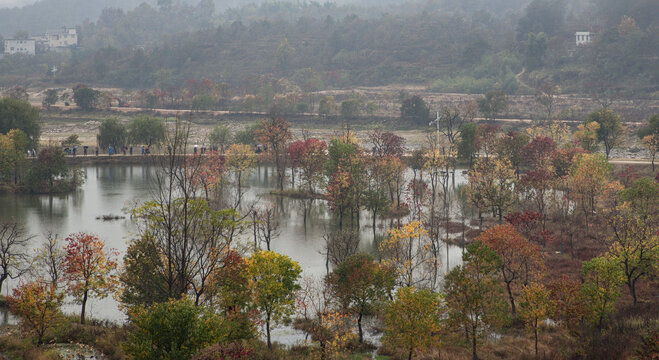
(61, 38)
(582, 37)
(20, 46)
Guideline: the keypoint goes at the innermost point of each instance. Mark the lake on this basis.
(110, 189)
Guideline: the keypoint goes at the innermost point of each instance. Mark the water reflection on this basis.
(110, 189)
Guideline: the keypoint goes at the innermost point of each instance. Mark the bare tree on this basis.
(48, 259)
(339, 245)
(267, 225)
(13, 250)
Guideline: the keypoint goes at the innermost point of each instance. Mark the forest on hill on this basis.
(473, 49)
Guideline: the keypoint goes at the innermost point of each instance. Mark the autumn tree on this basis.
(520, 260)
(487, 136)
(569, 302)
(634, 246)
(275, 133)
(88, 268)
(320, 316)
(510, 147)
(535, 307)
(586, 135)
(491, 185)
(231, 296)
(240, 160)
(38, 306)
(587, 177)
(538, 153)
(610, 129)
(601, 288)
(13, 250)
(473, 294)
(310, 157)
(361, 285)
(273, 280)
(386, 143)
(405, 249)
(413, 320)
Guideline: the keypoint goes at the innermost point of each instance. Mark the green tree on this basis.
(142, 279)
(493, 104)
(144, 129)
(535, 48)
(50, 98)
(71, 140)
(635, 244)
(413, 321)
(273, 280)
(351, 108)
(327, 106)
(601, 288)
(416, 110)
(173, 330)
(474, 295)
(652, 128)
(86, 98)
(610, 130)
(111, 132)
(220, 136)
(467, 146)
(19, 114)
(50, 165)
(361, 284)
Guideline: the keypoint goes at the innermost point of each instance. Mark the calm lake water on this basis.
(111, 189)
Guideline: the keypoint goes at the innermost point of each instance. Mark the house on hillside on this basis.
(62, 38)
(582, 37)
(20, 46)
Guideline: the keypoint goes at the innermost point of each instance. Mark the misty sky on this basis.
(12, 3)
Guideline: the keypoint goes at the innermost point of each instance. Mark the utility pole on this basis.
(436, 122)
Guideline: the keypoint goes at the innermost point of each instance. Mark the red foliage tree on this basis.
(88, 268)
(539, 151)
(521, 260)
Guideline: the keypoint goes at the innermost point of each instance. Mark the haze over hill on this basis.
(38, 16)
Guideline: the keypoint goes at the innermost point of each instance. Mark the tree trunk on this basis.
(632, 290)
(267, 330)
(3, 277)
(535, 330)
(359, 326)
(474, 356)
(510, 296)
(84, 305)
